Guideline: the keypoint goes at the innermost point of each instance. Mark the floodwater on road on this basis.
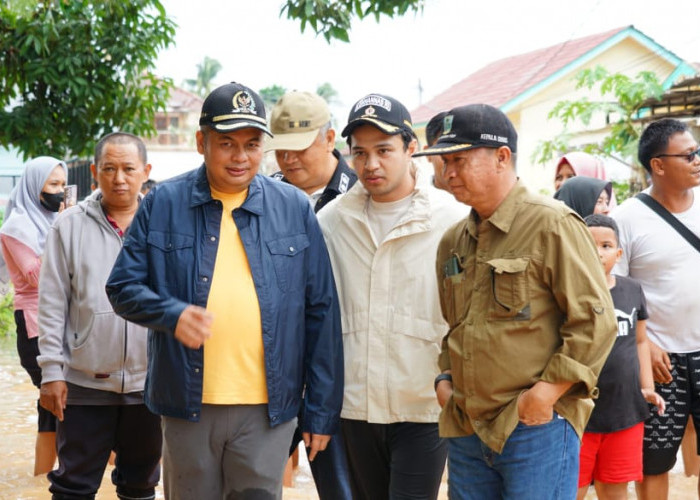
(18, 424)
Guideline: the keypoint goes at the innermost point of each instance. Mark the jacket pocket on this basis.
(169, 252)
(288, 260)
(99, 347)
(454, 297)
(413, 327)
(509, 288)
(169, 242)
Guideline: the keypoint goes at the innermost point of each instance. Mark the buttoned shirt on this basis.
(167, 263)
(525, 296)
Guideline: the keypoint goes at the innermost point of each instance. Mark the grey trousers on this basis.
(232, 453)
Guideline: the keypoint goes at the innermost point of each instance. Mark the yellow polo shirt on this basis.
(234, 367)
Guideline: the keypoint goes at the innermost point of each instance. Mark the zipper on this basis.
(126, 341)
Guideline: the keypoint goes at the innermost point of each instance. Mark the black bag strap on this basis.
(671, 219)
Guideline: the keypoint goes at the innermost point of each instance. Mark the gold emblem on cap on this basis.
(370, 111)
(243, 102)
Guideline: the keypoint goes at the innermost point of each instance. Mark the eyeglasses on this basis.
(689, 157)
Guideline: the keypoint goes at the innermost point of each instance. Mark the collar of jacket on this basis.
(92, 205)
(504, 215)
(201, 193)
(342, 178)
(355, 201)
(340, 182)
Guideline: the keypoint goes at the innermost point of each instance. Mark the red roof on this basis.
(503, 80)
(183, 100)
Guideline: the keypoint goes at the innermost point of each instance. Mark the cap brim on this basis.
(383, 126)
(292, 142)
(447, 148)
(239, 124)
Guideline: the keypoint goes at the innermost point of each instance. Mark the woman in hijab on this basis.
(586, 195)
(580, 164)
(34, 204)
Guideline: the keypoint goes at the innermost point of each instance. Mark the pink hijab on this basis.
(586, 165)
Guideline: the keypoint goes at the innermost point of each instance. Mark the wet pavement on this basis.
(18, 423)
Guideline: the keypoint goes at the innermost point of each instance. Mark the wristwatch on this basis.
(441, 377)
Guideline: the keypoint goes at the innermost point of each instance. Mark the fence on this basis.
(79, 174)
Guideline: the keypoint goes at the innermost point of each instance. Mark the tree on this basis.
(332, 18)
(206, 72)
(329, 94)
(71, 71)
(270, 95)
(621, 99)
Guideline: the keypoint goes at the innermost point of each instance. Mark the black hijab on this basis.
(582, 193)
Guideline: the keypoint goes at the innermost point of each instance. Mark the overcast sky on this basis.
(448, 41)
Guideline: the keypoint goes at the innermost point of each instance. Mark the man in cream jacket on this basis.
(382, 237)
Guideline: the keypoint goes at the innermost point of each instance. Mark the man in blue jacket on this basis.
(229, 271)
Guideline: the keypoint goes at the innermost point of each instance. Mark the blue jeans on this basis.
(538, 462)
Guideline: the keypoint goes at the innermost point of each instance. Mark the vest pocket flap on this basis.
(289, 245)
(169, 241)
(509, 266)
(509, 281)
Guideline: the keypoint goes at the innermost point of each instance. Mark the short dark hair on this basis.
(120, 138)
(406, 137)
(600, 220)
(654, 139)
(433, 129)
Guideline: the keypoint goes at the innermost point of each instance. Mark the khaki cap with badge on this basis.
(296, 119)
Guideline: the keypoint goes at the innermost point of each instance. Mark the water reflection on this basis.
(18, 420)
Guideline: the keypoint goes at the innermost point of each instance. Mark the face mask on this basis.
(51, 201)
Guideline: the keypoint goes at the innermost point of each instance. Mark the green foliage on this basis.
(333, 18)
(328, 93)
(206, 72)
(7, 314)
(623, 190)
(71, 71)
(270, 95)
(620, 102)
(552, 148)
(7, 311)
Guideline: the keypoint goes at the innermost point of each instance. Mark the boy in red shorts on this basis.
(611, 451)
